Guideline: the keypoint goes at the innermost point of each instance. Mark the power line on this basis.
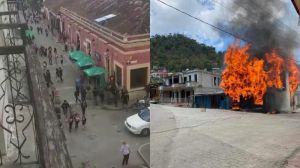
(213, 26)
(205, 22)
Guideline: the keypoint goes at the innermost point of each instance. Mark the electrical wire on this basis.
(213, 26)
(205, 22)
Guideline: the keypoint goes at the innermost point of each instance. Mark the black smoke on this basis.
(257, 22)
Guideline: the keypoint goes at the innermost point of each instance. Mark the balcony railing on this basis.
(32, 130)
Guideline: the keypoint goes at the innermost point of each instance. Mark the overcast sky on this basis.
(165, 20)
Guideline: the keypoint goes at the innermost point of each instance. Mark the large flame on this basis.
(247, 78)
(274, 68)
(293, 76)
(243, 77)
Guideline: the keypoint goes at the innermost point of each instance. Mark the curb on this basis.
(142, 156)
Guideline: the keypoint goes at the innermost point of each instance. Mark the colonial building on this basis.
(115, 34)
(198, 88)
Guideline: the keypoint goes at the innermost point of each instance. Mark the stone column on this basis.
(179, 96)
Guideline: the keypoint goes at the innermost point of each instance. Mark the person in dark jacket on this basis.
(71, 120)
(83, 121)
(65, 107)
(61, 60)
(47, 76)
(60, 72)
(83, 94)
(83, 107)
(125, 98)
(76, 94)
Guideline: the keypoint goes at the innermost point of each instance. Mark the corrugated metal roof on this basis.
(133, 16)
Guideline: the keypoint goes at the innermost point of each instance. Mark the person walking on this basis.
(65, 107)
(45, 52)
(50, 57)
(83, 106)
(57, 74)
(45, 65)
(61, 60)
(125, 98)
(71, 120)
(125, 152)
(56, 58)
(83, 121)
(77, 84)
(77, 120)
(50, 49)
(60, 72)
(47, 76)
(55, 51)
(76, 94)
(66, 47)
(83, 94)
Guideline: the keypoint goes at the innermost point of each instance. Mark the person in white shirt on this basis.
(125, 152)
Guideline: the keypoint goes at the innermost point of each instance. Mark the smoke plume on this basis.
(257, 22)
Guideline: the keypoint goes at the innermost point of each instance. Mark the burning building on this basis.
(270, 80)
(262, 72)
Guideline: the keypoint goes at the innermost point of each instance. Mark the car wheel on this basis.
(145, 132)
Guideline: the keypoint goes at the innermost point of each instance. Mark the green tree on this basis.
(177, 52)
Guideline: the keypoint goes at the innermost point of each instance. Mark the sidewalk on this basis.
(98, 143)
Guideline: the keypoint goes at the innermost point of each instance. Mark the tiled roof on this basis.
(133, 16)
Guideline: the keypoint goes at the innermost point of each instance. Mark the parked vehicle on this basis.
(139, 123)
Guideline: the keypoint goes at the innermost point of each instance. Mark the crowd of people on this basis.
(70, 113)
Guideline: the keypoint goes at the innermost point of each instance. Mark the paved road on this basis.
(98, 144)
(183, 137)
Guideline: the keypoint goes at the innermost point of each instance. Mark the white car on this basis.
(139, 123)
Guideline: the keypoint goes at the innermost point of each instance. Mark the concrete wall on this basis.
(204, 78)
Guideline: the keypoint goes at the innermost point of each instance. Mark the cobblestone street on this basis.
(99, 143)
(184, 137)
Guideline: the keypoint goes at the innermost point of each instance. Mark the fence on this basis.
(29, 120)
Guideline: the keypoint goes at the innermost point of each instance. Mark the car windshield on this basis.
(145, 114)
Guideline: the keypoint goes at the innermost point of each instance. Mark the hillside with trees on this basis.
(177, 52)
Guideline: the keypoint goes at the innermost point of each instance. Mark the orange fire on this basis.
(274, 68)
(248, 78)
(293, 75)
(243, 77)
